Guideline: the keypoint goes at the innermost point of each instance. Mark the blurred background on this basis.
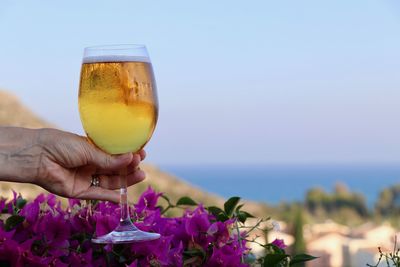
(287, 104)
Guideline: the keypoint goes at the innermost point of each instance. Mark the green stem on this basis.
(239, 238)
(256, 225)
(167, 208)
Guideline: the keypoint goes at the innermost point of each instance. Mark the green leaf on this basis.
(272, 260)
(222, 217)
(248, 215)
(276, 249)
(215, 210)
(36, 246)
(218, 213)
(21, 202)
(122, 259)
(195, 253)
(13, 221)
(186, 201)
(301, 258)
(166, 198)
(230, 204)
(239, 207)
(243, 215)
(80, 237)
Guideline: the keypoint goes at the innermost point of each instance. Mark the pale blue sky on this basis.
(257, 82)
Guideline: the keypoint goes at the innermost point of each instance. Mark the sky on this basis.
(261, 82)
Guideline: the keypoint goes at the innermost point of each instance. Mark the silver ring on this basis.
(95, 180)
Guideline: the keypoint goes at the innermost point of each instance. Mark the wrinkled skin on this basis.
(63, 163)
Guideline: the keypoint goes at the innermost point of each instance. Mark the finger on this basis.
(105, 161)
(98, 193)
(136, 158)
(142, 154)
(134, 163)
(113, 181)
(131, 167)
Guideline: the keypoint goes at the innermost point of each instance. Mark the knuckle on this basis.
(135, 160)
(107, 161)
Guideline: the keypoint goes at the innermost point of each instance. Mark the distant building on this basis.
(340, 246)
(381, 235)
(361, 252)
(312, 231)
(365, 241)
(329, 247)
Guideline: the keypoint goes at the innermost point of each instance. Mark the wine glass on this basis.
(118, 107)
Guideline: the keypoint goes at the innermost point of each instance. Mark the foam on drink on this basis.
(115, 58)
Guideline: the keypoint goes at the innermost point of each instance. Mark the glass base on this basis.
(125, 234)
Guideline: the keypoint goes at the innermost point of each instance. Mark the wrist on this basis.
(19, 154)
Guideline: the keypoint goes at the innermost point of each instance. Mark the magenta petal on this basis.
(133, 264)
(51, 200)
(198, 224)
(105, 224)
(279, 243)
(11, 253)
(74, 202)
(31, 212)
(148, 200)
(225, 256)
(53, 236)
(213, 228)
(40, 198)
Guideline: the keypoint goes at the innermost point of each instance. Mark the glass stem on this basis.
(125, 219)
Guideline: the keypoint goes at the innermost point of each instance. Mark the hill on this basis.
(14, 113)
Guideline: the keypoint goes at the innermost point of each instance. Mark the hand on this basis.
(63, 163)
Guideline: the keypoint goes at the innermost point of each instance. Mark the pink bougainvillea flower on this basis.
(153, 252)
(31, 212)
(81, 259)
(45, 234)
(226, 256)
(105, 224)
(220, 231)
(279, 243)
(148, 200)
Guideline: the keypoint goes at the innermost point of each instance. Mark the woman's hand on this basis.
(63, 163)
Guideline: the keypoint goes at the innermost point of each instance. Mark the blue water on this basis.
(273, 184)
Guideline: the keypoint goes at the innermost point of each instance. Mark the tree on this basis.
(340, 199)
(388, 203)
(315, 198)
(341, 189)
(299, 246)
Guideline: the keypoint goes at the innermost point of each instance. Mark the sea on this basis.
(273, 184)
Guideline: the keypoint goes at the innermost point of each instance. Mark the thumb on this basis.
(106, 161)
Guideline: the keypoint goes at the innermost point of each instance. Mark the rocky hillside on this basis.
(14, 113)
